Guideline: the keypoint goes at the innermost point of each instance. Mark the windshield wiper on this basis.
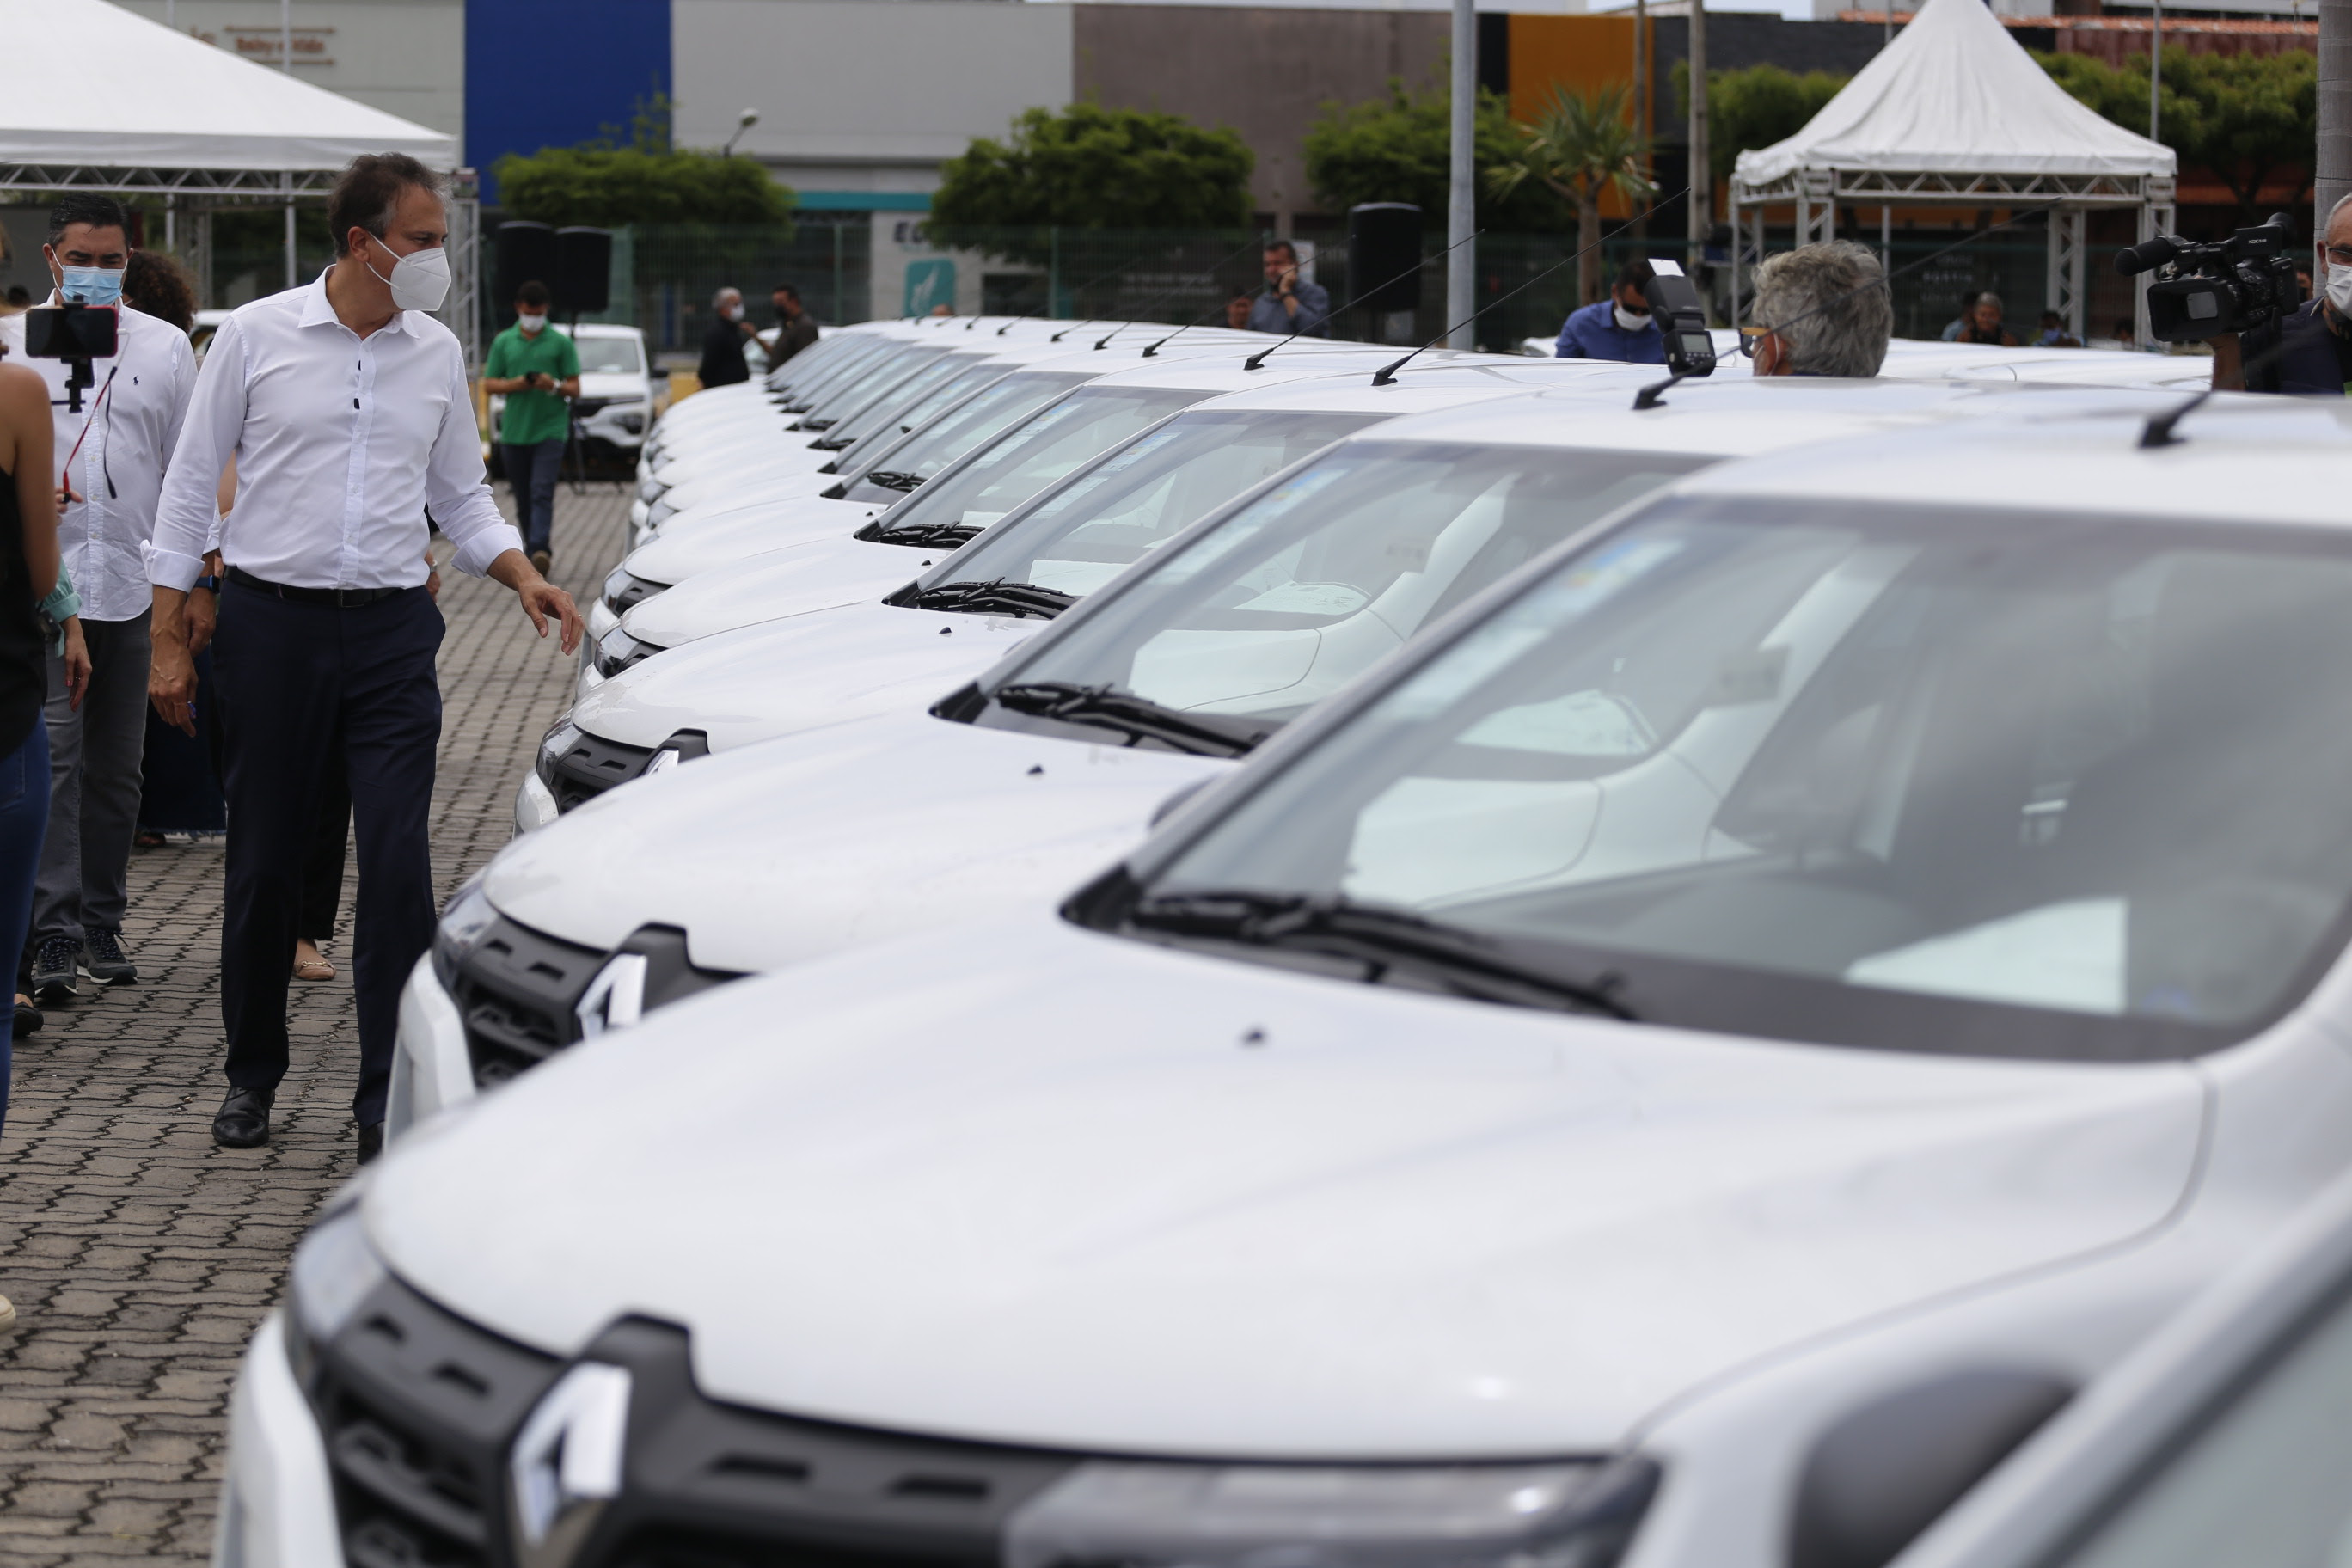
(1139, 718)
(995, 598)
(1380, 936)
(832, 442)
(924, 535)
(890, 480)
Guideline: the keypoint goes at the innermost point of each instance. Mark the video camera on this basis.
(1674, 305)
(2205, 290)
(76, 333)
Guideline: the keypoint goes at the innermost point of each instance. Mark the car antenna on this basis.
(1387, 373)
(1104, 277)
(1155, 303)
(1654, 394)
(1258, 358)
(2158, 431)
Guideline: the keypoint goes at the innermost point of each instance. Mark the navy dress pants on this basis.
(297, 684)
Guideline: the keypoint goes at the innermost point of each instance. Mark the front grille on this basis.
(594, 764)
(518, 991)
(420, 1410)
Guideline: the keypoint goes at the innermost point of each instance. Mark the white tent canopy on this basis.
(168, 101)
(1954, 114)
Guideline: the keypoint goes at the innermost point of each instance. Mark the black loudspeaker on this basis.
(526, 251)
(1384, 241)
(583, 270)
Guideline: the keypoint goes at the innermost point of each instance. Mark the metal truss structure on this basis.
(1816, 194)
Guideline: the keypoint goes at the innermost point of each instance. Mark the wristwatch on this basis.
(210, 585)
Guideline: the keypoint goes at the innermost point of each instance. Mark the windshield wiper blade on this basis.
(926, 535)
(1139, 718)
(1378, 935)
(892, 481)
(832, 442)
(997, 596)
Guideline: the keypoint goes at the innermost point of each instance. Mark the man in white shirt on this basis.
(346, 408)
(120, 442)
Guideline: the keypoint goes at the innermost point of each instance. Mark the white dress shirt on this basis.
(342, 443)
(119, 473)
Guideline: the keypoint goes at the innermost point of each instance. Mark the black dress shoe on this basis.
(370, 1142)
(244, 1119)
(28, 1021)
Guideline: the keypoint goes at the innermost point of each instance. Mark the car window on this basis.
(603, 356)
(881, 413)
(2259, 1484)
(988, 414)
(967, 379)
(1976, 783)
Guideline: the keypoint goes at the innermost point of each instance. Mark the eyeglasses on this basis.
(1750, 337)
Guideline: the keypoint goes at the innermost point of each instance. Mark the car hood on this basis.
(768, 587)
(783, 852)
(778, 679)
(688, 544)
(610, 384)
(711, 473)
(1035, 1184)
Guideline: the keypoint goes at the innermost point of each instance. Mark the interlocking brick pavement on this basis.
(139, 1257)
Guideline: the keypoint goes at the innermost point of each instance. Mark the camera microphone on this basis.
(2147, 256)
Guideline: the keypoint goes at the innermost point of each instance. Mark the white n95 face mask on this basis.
(530, 323)
(419, 280)
(2339, 290)
(1627, 321)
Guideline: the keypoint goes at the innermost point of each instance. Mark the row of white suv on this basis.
(1327, 967)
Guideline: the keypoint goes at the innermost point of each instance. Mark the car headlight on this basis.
(462, 926)
(650, 487)
(1564, 1515)
(624, 590)
(661, 511)
(553, 744)
(334, 1270)
(619, 651)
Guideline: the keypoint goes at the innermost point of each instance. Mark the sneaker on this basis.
(7, 1314)
(544, 561)
(108, 964)
(56, 971)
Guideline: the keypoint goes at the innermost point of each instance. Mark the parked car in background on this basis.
(621, 395)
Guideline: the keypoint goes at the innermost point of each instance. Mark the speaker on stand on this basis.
(525, 253)
(1383, 270)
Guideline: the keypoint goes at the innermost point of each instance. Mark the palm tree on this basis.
(1579, 145)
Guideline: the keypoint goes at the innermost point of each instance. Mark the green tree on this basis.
(1758, 107)
(1090, 167)
(609, 186)
(1398, 149)
(2246, 118)
(1582, 145)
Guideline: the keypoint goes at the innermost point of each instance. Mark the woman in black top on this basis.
(29, 555)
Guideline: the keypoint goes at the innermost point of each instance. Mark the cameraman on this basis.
(2317, 357)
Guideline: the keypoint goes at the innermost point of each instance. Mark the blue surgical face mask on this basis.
(92, 285)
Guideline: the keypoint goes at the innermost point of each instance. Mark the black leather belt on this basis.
(340, 598)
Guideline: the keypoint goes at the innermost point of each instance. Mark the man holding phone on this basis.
(537, 371)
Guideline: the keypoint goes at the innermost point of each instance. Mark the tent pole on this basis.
(1462, 191)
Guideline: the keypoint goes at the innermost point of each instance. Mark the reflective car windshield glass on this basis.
(933, 447)
(1079, 536)
(609, 356)
(857, 393)
(1034, 454)
(968, 379)
(2260, 1485)
(818, 379)
(1973, 781)
(1295, 593)
(878, 414)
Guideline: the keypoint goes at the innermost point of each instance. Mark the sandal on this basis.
(314, 967)
(27, 1020)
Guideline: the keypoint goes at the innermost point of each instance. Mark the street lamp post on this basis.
(750, 117)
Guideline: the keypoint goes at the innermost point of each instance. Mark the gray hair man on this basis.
(2310, 350)
(1823, 310)
(722, 346)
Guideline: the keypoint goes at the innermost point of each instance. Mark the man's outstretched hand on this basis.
(541, 600)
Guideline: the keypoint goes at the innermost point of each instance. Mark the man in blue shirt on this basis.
(1617, 328)
(1290, 304)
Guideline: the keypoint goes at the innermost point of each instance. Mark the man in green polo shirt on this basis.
(536, 370)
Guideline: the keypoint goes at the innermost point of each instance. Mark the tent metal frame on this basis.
(194, 194)
(1815, 194)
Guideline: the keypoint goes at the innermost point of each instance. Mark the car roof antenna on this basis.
(1387, 373)
(1258, 358)
(2159, 430)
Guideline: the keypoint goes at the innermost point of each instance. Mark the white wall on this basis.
(862, 94)
(404, 56)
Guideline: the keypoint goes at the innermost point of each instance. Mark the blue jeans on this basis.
(531, 473)
(24, 823)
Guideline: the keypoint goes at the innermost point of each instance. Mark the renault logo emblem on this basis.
(567, 1462)
(615, 998)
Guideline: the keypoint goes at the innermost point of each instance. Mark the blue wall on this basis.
(550, 73)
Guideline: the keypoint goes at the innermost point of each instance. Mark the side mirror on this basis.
(1888, 1469)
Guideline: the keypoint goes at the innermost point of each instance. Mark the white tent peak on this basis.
(1955, 94)
(172, 101)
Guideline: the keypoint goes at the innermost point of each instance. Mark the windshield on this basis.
(2259, 1483)
(1010, 399)
(1027, 458)
(1971, 782)
(1298, 592)
(853, 396)
(815, 380)
(968, 379)
(609, 356)
(1077, 537)
(877, 414)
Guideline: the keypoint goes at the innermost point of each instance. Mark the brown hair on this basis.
(366, 193)
(158, 285)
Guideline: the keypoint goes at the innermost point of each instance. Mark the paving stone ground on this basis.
(139, 1257)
